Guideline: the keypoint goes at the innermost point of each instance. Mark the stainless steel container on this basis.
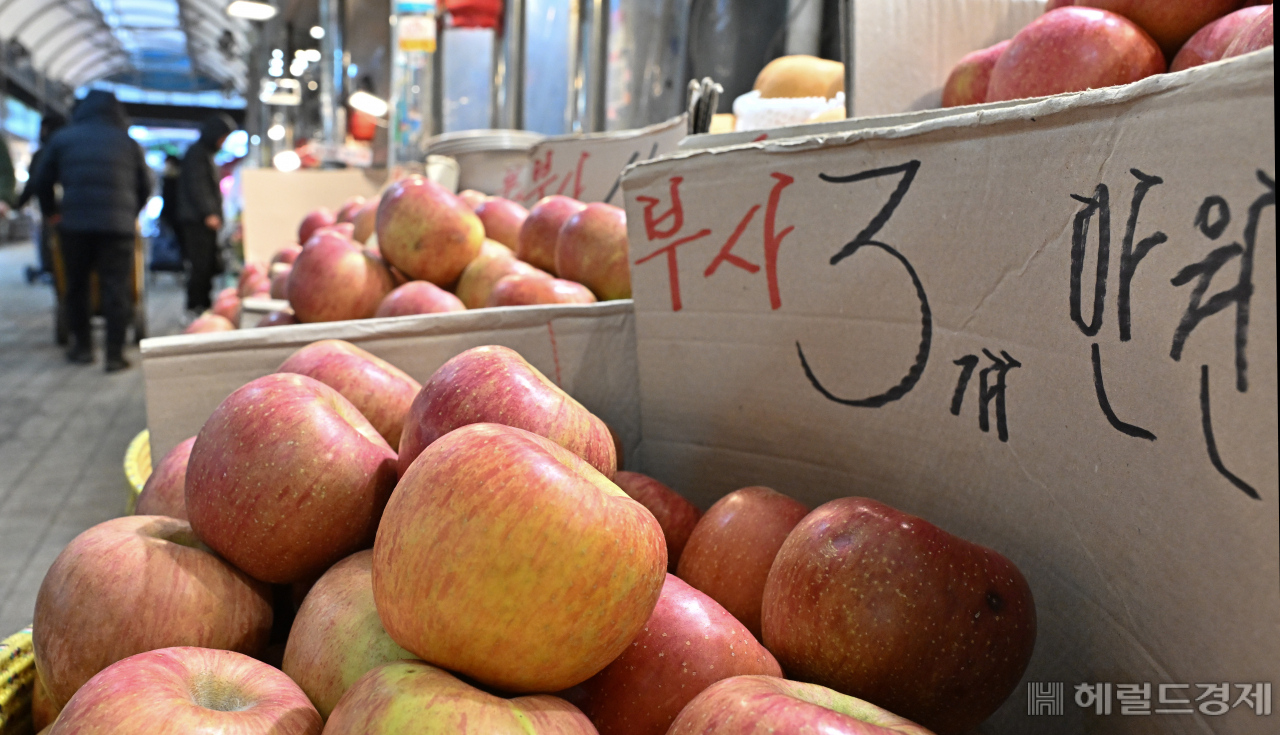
(490, 160)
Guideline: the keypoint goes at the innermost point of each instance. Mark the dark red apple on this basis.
(967, 84)
(418, 297)
(502, 219)
(322, 217)
(884, 606)
(730, 551)
(1169, 22)
(1211, 42)
(162, 495)
(676, 515)
(529, 289)
(536, 242)
(1071, 50)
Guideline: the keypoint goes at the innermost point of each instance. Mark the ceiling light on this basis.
(312, 55)
(317, 32)
(367, 103)
(311, 85)
(276, 132)
(251, 10)
(287, 161)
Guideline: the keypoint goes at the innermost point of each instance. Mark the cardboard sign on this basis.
(1047, 328)
(588, 350)
(276, 201)
(589, 167)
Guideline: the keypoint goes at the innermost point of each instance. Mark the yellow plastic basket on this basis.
(137, 468)
(17, 678)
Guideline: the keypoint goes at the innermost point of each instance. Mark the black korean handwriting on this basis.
(988, 389)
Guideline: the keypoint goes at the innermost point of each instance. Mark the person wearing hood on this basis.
(200, 209)
(105, 183)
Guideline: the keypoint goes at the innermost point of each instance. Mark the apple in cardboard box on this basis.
(279, 288)
(253, 279)
(411, 696)
(347, 212)
(209, 322)
(764, 705)
(418, 297)
(502, 219)
(287, 477)
(506, 558)
(1210, 43)
(730, 551)
(967, 83)
(472, 197)
(1169, 22)
(887, 607)
(1259, 34)
(227, 305)
(163, 493)
(189, 690)
(592, 250)
(315, 219)
(286, 254)
(676, 515)
(495, 262)
(1070, 50)
(426, 232)
(531, 289)
(337, 635)
(334, 280)
(381, 391)
(495, 384)
(134, 584)
(365, 221)
(689, 643)
(536, 242)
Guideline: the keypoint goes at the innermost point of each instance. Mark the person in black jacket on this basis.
(48, 202)
(105, 183)
(200, 209)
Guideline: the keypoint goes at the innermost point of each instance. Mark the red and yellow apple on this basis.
(502, 219)
(1210, 43)
(592, 250)
(334, 280)
(1259, 34)
(163, 493)
(967, 83)
(495, 262)
(530, 289)
(315, 219)
(1169, 22)
(427, 232)
(536, 241)
(418, 297)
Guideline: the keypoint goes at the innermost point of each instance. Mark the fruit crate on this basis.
(17, 656)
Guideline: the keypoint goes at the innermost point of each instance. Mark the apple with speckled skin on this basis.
(163, 493)
(887, 607)
(592, 250)
(418, 297)
(287, 477)
(337, 635)
(536, 242)
(1259, 34)
(531, 289)
(189, 690)
(689, 643)
(335, 280)
(411, 696)
(315, 219)
(1070, 50)
(1169, 22)
(1211, 42)
(502, 219)
(495, 384)
(134, 584)
(495, 262)
(765, 705)
(730, 550)
(676, 515)
(506, 558)
(967, 83)
(381, 391)
(426, 232)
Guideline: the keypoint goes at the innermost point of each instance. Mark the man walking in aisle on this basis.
(200, 209)
(105, 183)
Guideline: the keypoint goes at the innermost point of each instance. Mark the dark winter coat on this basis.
(198, 192)
(103, 172)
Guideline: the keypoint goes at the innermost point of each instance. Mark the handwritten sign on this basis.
(589, 167)
(1049, 328)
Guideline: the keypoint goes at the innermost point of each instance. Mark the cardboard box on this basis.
(275, 202)
(589, 350)
(921, 314)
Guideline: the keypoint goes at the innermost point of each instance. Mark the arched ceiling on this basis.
(163, 45)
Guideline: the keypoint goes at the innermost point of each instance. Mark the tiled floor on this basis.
(63, 432)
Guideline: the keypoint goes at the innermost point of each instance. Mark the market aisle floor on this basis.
(63, 431)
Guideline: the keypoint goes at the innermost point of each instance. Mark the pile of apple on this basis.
(465, 556)
(1088, 44)
(419, 249)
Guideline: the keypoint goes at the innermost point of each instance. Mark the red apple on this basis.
(536, 242)
(322, 217)
(162, 495)
(337, 636)
(730, 551)
(227, 305)
(347, 212)
(418, 297)
(504, 557)
(887, 607)
(688, 644)
(43, 710)
(763, 705)
(277, 319)
(209, 322)
(1071, 50)
(427, 232)
(1259, 34)
(286, 254)
(592, 250)
(495, 262)
(495, 384)
(134, 584)
(189, 690)
(287, 477)
(279, 288)
(967, 84)
(365, 221)
(1055, 4)
(411, 696)
(334, 280)
(1209, 43)
(529, 289)
(472, 197)
(502, 219)
(345, 229)
(676, 515)
(251, 276)
(381, 391)
(1169, 22)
